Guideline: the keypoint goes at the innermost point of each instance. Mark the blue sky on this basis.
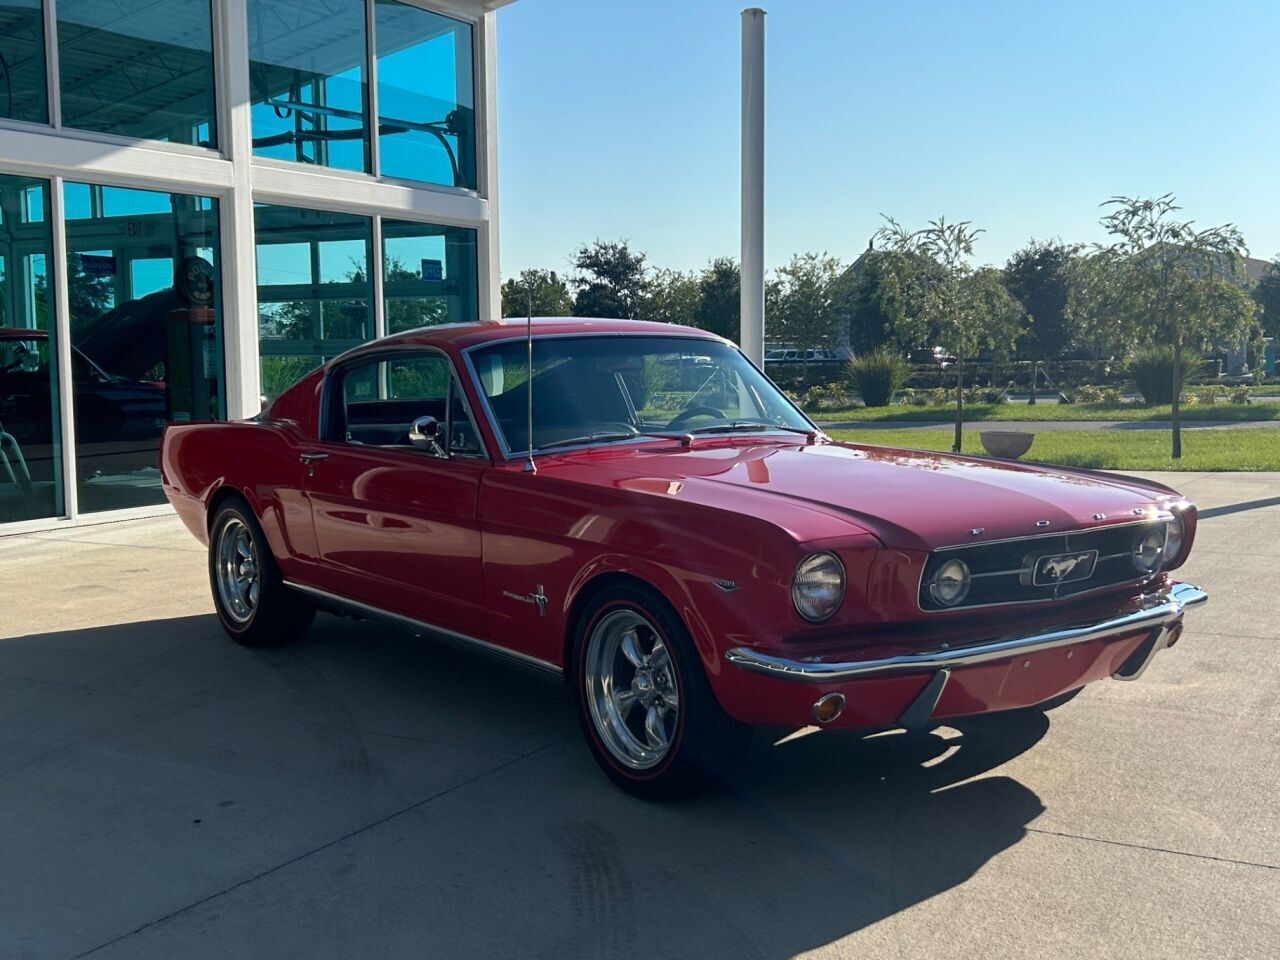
(620, 120)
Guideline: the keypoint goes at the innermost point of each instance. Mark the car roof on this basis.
(461, 336)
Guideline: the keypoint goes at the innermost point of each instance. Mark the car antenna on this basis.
(530, 466)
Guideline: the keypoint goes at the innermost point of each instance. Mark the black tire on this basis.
(277, 615)
(701, 736)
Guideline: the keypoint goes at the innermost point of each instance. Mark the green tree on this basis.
(1171, 283)
(801, 305)
(720, 299)
(547, 292)
(407, 312)
(1267, 295)
(867, 303)
(90, 296)
(344, 318)
(946, 298)
(612, 280)
(1040, 277)
(673, 297)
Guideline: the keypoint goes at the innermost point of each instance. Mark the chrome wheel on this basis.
(631, 689)
(237, 571)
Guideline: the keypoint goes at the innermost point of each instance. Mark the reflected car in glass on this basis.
(636, 508)
(122, 417)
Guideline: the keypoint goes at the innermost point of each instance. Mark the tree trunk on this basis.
(1176, 412)
(955, 447)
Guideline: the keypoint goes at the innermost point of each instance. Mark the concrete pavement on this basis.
(165, 793)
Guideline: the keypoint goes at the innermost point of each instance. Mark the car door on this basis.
(395, 518)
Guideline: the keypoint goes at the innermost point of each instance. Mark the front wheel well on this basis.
(583, 598)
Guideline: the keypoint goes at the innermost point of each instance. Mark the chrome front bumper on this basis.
(1159, 612)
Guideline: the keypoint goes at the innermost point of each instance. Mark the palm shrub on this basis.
(877, 376)
(1152, 372)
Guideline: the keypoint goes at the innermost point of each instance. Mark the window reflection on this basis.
(429, 274)
(142, 273)
(307, 80)
(23, 94)
(30, 434)
(426, 103)
(313, 289)
(137, 68)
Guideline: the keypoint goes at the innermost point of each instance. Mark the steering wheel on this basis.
(684, 416)
(615, 426)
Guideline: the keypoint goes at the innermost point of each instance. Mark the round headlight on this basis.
(950, 583)
(818, 586)
(1148, 550)
(1173, 537)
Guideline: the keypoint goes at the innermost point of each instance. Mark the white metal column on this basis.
(61, 323)
(52, 78)
(752, 320)
(490, 279)
(239, 264)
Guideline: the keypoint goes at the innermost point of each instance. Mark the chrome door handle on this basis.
(310, 458)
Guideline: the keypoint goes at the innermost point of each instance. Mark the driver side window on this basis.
(411, 401)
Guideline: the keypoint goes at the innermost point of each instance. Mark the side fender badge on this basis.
(538, 599)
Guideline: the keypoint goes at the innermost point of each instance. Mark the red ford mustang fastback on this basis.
(660, 525)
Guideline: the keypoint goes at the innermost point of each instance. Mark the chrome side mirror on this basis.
(424, 434)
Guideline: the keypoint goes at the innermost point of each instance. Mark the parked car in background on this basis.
(690, 558)
(122, 416)
(792, 355)
(933, 355)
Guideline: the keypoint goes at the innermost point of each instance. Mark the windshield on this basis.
(609, 388)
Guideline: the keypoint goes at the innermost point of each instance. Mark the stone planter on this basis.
(1007, 444)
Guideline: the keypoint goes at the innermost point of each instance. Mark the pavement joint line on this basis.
(1233, 636)
(1143, 846)
(163, 514)
(40, 538)
(417, 804)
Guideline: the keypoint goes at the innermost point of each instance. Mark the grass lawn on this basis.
(1052, 411)
(1224, 449)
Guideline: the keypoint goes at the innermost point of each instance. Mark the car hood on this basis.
(907, 498)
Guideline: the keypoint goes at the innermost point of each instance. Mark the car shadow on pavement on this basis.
(1243, 506)
(363, 772)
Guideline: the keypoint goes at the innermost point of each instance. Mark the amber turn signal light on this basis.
(828, 707)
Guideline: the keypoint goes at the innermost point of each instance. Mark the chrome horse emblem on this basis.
(1064, 568)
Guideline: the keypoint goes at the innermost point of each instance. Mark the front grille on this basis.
(1042, 568)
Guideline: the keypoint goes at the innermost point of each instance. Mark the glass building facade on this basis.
(136, 68)
(23, 95)
(426, 105)
(429, 274)
(146, 332)
(314, 291)
(30, 424)
(201, 200)
(308, 75)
